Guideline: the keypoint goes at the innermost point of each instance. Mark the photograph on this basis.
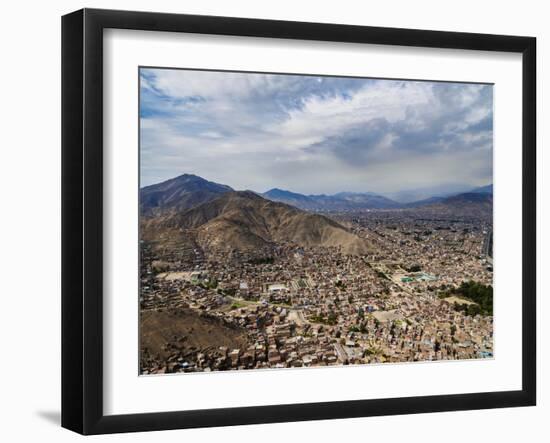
(253, 221)
(302, 221)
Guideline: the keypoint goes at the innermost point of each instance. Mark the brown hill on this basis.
(245, 221)
(168, 334)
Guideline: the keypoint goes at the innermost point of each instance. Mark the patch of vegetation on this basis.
(261, 261)
(208, 284)
(330, 319)
(229, 291)
(360, 327)
(480, 294)
(237, 305)
(373, 350)
(340, 285)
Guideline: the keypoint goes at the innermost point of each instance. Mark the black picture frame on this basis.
(82, 215)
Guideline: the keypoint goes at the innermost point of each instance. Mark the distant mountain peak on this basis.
(179, 193)
(191, 176)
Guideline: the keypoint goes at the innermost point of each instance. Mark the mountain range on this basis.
(215, 216)
(343, 201)
(350, 201)
(468, 203)
(187, 191)
(481, 195)
(412, 195)
(222, 219)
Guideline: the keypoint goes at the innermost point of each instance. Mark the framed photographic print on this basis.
(269, 221)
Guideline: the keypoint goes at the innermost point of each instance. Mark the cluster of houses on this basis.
(303, 307)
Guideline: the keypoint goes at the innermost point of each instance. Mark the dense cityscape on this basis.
(287, 305)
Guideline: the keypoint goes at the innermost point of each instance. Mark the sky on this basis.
(314, 134)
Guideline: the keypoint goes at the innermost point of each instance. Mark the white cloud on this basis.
(313, 134)
(326, 116)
